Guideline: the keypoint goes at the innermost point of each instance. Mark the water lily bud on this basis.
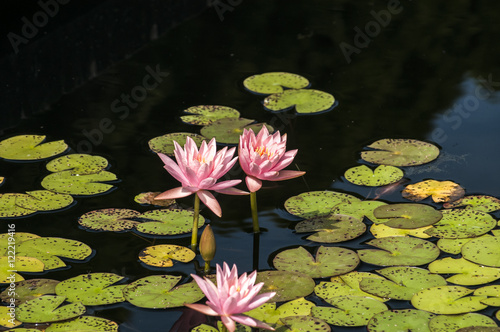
(207, 244)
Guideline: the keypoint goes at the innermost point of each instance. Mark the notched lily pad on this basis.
(162, 255)
(9, 268)
(29, 289)
(9, 208)
(447, 323)
(476, 202)
(168, 222)
(271, 315)
(287, 285)
(466, 273)
(493, 293)
(359, 209)
(459, 224)
(400, 152)
(305, 101)
(92, 289)
(447, 300)
(113, 220)
(78, 163)
(30, 147)
(303, 323)
(381, 176)
(165, 144)
(454, 246)
(84, 324)
(316, 203)
(48, 308)
(332, 229)
(44, 200)
(483, 251)
(54, 246)
(204, 115)
(400, 320)
(441, 191)
(381, 230)
(274, 82)
(347, 284)
(407, 215)
(75, 184)
(228, 131)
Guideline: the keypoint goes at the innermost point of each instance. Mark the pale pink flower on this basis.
(231, 297)
(263, 158)
(198, 172)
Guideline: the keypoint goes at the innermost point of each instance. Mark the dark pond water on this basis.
(431, 73)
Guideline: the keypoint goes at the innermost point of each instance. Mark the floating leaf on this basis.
(149, 198)
(466, 273)
(400, 152)
(332, 229)
(9, 268)
(381, 176)
(220, 328)
(483, 251)
(447, 300)
(347, 284)
(303, 323)
(447, 323)
(330, 261)
(479, 329)
(476, 202)
(84, 324)
(399, 251)
(165, 144)
(90, 184)
(359, 209)
(409, 215)
(441, 191)
(382, 230)
(454, 246)
(30, 147)
(271, 315)
(46, 309)
(204, 115)
(168, 222)
(268, 83)
(7, 317)
(113, 220)
(305, 101)
(228, 131)
(403, 282)
(287, 285)
(459, 224)
(78, 164)
(13, 238)
(43, 200)
(316, 203)
(29, 289)
(9, 209)
(400, 320)
(92, 289)
(162, 255)
(158, 292)
(493, 293)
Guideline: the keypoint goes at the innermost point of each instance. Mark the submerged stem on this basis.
(194, 236)
(255, 215)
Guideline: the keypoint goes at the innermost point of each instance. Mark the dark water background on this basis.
(429, 74)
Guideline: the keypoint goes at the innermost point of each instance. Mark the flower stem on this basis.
(207, 267)
(255, 215)
(194, 236)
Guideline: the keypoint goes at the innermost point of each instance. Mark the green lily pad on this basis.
(454, 246)
(162, 255)
(483, 251)
(168, 222)
(408, 215)
(400, 321)
(346, 284)
(381, 230)
(287, 285)
(459, 224)
(332, 229)
(29, 289)
(55, 246)
(381, 176)
(228, 131)
(306, 101)
(476, 202)
(349, 310)
(165, 143)
(113, 220)
(330, 261)
(92, 289)
(466, 273)
(160, 292)
(403, 282)
(44, 200)
(9, 209)
(316, 203)
(399, 251)
(274, 82)
(30, 147)
(271, 315)
(78, 164)
(400, 152)
(84, 324)
(448, 300)
(6, 320)
(21, 329)
(479, 329)
(9, 268)
(204, 115)
(359, 209)
(46, 309)
(303, 323)
(74, 184)
(446, 323)
(493, 293)
(441, 191)
(220, 328)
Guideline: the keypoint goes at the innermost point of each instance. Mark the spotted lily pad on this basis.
(92, 289)
(13, 239)
(349, 310)
(30, 147)
(466, 273)
(454, 246)
(228, 131)
(441, 191)
(162, 255)
(44, 200)
(220, 328)
(47, 309)
(316, 203)
(78, 164)
(149, 198)
(29, 289)
(479, 329)
(447, 323)
(381, 230)
(7, 318)
(399, 251)
(160, 292)
(271, 315)
(476, 202)
(346, 284)
(400, 152)
(75, 184)
(330, 261)
(274, 82)
(303, 323)
(168, 222)
(359, 209)
(493, 293)
(84, 324)
(459, 224)
(381, 176)
(9, 208)
(332, 229)
(204, 115)
(113, 220)
(400, 320)
(448, 300)
(483, 251)
(306, 101)
(287, 285)
(410, 215)
(9, 268)
(165, 144)
(401, 283)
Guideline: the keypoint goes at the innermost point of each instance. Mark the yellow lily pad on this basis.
(441, 191)
(448, 300)
(163, 255)
(381, 230)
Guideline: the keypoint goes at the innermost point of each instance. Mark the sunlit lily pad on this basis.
(332, 229)
(454, 246)
(44, 200)
(349, 310)
(9, 268)
(84, 324)
(270, 314)
(447, 300)
(287, 285)
(92, 289)
(162, 255)
(228, 131)
(30, 147)
(359, 209)
(305, 101)
(447, 323)
(203, 115)
(220, 328)
(29, 289)
(160, 292)
(403, 282)
(381, 176)
(459, 224)
(441, 191)
(2, 180)
(407, 215)
(466, 273)
(493, 293)
(165, 144)
(483, 251)
(7, 317)
(346, 284)
(400, 321)
(113, 220)
(479, 329)
(399, 251)
(7, 240)
(382, 230)
(476, 202)
(303, 323)
(48, 308)
(9, 209)
(316, 203)
(400, 152)
(149, 198)
(330, 261)
(74, 184)
(78, 164)
(274, 82)
(168, 222)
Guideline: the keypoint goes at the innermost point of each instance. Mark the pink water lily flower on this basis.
(231, 297)
(263, 158)
(198, 172)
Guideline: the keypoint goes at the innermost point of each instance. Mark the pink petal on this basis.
(253, 183)
(209, 200)
(285, 160)
(208, 288)
(207, 183)
(249, 321)
(202, 308)
(172, 168)
(229, 323)
(174, 193)
(260, 300)
(285, 175)
(232, 191)
(225, 184)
